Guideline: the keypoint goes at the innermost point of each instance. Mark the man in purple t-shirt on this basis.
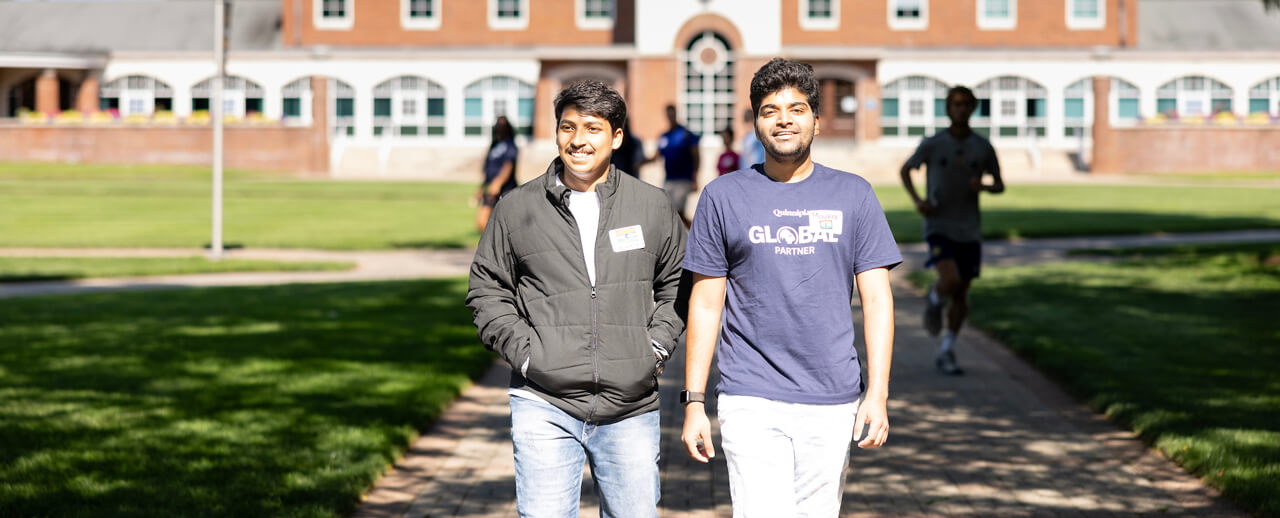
(778, 246)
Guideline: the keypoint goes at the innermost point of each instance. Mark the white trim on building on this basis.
(989, 19)
(908, 15)
(501, 18)
(819, 15)
(595, 14)
(1074, 9)
(429, 21)
(323, 15)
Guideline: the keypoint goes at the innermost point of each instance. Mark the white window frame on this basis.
(1086, 24)
(988, 23)
(347, 21)
(507, 24)
(819, 24)
(898, 24)
(430, 23)
(580, 13)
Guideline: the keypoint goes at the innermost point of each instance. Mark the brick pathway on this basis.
(999, 441)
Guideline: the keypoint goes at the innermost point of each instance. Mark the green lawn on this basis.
(1081, 210)
(43, 205)
(24, 269)
(1181, 345)
(55, 205)
(277, 401)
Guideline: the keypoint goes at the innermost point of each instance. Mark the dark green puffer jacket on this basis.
(589, 348)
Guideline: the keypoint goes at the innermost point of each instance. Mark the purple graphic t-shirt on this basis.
(790, 252)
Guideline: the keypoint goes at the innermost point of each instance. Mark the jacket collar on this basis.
(560, 193)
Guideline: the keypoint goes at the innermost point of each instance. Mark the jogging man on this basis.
(785, 241)
(955, 161)
(573, 285)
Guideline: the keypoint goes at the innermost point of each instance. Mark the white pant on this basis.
(785, 459)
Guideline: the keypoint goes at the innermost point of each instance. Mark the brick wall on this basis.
(462, 23)
(260, 148)
(1177, 148)
(1171, 149)
(1040, 23)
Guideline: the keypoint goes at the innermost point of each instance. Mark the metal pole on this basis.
(219, 55)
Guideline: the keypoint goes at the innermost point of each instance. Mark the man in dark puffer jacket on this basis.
(573, 284)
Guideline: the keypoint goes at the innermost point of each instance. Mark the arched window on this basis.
(408, 106)
(1014, 106)
(342, 104)
(296, 95)
(135, 95)
(1193, 96)
(491, 97)
(913, 106)
(240, 96)
(708, 84)
(1264, 97)
(1124, 102)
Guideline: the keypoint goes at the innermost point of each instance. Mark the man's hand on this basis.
(924, 207)
(697, 433)
(870, 412)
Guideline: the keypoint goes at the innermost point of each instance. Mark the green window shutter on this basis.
(890, 108)
(939, 107)
(292, 107)
(382, 107)
(1074, 108)
(346, 107)
(435, 107)
(1127, 109)
(1166, 105)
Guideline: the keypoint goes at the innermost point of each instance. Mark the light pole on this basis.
(220, 21)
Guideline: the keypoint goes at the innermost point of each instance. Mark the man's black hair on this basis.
(965, 91)
(779, 74)
(595, 99)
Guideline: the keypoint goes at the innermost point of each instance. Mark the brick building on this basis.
(398, 87)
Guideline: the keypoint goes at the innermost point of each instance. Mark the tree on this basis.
(1271, 4)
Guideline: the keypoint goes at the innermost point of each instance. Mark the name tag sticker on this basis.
(626, 238)
(827, 221)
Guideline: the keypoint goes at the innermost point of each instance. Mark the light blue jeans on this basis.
(551, 447)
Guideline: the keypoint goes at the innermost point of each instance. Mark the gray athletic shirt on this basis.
(790, 252)
(950, 163)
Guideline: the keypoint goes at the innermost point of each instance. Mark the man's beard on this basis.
(800, 150)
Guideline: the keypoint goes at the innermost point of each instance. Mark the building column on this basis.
(87, 97)
(47, 92)
(868, 116)
(1104, 144)
(320, 125)
(544, 117)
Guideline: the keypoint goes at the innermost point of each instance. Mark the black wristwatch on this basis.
(687, 397)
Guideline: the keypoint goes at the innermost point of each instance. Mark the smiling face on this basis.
(786, 124)
(586, 143)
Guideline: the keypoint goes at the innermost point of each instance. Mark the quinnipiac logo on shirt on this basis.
(824, 226)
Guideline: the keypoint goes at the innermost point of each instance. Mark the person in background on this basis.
(499, 170)
(752, 149)
(680, 157)
(729, 160)
(955, 161)
(629, 157)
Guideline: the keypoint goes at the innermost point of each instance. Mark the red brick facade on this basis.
(952, 23)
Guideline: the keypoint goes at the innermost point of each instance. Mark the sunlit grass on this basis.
(277, 401)
(23, 269)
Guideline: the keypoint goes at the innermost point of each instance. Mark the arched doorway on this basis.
(707, 81)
